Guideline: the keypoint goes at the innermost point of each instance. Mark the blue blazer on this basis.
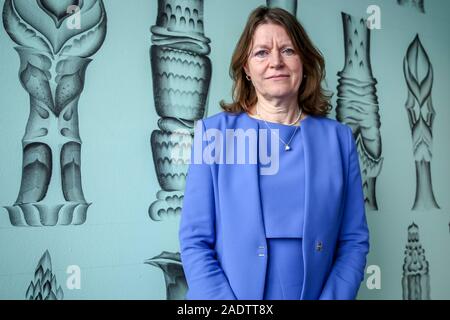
(222, 238)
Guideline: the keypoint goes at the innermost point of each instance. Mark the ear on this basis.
(246, 69)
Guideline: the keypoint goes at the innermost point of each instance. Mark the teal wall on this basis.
(117, 115)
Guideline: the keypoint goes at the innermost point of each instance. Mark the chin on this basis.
(279, 94)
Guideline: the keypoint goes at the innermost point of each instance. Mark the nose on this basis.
(276, 60)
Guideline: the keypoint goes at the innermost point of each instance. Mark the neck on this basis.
(277, 111)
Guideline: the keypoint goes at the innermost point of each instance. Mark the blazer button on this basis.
(319, 246)
(261, 250)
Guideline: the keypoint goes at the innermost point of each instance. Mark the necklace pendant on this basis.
(287, 148)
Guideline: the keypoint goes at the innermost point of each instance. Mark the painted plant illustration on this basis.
(418, 72)
(54, 55)
(181, 73)
(172, 268)
(416, 278)
(44, 286)
(288, 5)
(357, 103)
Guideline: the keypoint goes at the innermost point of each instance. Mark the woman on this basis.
(296, 230)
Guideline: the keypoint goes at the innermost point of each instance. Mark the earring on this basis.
(247, 77)
(304, 76)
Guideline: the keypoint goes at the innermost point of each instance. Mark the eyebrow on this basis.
(289, 44)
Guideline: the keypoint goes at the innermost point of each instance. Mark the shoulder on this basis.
(220, 116)
(332, 131)
(320, 125)
(223, 120)
(329, 124)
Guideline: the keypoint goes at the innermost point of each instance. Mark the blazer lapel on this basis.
(311, 155)
(323, 189)
(241, 199)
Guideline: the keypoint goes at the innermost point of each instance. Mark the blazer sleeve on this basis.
(353, 241)
(204, 275)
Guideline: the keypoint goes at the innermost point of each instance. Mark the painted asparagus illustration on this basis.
(181, 73)
(357, 103)
(53, 62)
(170, 264)
(418, 72)
(288, 5)
(418, 4)
(416, 278)
(44, 286)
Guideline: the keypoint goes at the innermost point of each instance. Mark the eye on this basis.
(288, 51)
(261, 53)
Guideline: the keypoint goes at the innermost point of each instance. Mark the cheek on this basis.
(257, 66)
(257, 69)
(299, 68)
(298, 72)
(297, 65)
(297, 79)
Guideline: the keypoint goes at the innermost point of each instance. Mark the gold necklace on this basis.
(287, 147)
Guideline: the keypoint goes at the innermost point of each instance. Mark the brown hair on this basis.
(311, 96)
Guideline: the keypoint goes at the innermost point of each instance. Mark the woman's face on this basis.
(274, 66)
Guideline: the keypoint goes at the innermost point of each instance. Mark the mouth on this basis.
(279, 76)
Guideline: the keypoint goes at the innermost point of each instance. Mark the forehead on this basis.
(268, 33)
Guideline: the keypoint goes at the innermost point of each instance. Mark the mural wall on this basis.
(98, 104)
